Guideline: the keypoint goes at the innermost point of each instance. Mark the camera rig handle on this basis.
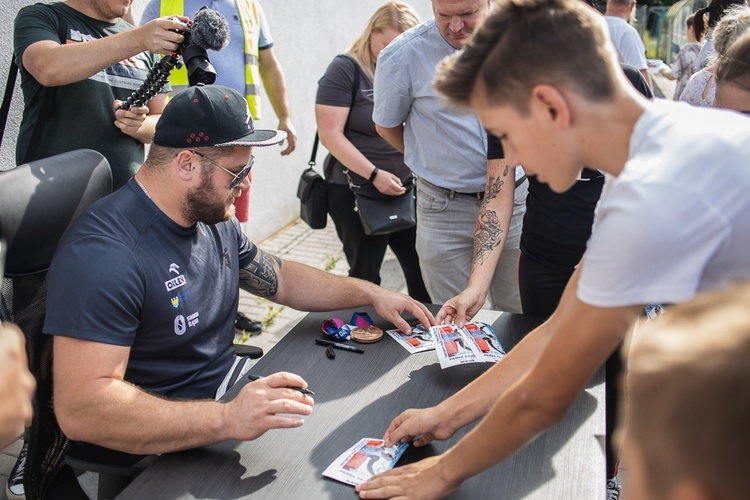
(154, 82)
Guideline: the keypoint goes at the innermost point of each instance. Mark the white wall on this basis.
(307, 35)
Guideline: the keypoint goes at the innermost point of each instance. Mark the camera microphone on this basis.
(208, 30)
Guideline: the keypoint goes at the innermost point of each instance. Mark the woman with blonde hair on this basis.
(359, 156)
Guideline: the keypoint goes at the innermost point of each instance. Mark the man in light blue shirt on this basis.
(460, 194)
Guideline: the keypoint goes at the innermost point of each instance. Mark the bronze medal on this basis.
(367, 334)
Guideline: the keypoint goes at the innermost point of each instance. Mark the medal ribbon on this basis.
(336, 328)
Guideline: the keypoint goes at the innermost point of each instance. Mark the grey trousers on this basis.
(445, 244)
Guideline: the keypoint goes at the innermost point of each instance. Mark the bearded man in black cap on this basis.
(144, 288)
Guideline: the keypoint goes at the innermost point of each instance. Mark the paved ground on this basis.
(318, 248)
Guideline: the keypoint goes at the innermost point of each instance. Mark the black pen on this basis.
(338, 345)
(298, 389)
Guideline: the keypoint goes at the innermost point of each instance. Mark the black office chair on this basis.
(38, 202)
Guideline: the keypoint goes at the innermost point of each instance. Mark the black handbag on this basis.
(384, 214)
(313, 194)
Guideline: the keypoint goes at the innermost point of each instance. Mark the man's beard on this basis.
(201, 206)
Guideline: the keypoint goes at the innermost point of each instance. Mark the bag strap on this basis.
(314, 153)
(47, 100)
(355, 88)
(9, 87)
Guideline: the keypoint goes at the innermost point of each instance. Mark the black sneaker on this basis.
(14, 490)
(248, 325)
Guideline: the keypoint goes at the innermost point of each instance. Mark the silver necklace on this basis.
(138, 181)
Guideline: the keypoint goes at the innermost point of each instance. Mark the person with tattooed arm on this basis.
(446, 149)
(144, 288)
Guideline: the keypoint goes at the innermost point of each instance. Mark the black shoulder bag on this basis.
(313, 193)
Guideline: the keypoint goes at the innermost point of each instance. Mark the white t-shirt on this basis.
(627, 41)
(676, 221)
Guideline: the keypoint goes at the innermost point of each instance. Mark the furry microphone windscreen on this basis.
(210, 30)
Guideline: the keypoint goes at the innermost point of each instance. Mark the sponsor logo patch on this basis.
(193, 319)
(175, 283)
(179, 324)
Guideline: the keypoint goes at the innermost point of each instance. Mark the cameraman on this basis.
(90, 79)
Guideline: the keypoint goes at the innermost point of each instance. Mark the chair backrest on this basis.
(38, 202)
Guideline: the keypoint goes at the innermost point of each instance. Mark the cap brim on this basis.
(257, 138)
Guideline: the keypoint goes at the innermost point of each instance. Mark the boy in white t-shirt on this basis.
(543, 76)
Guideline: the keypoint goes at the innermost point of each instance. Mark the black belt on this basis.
(452, 193)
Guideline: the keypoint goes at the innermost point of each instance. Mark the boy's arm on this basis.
(578, 339)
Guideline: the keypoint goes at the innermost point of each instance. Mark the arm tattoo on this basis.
(261, 276)
(494, 184)
(487, 235)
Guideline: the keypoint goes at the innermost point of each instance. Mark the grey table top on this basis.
(356, 396)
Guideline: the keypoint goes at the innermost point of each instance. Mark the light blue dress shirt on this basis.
(443, 146)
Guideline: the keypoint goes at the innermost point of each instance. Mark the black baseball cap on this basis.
(210, 115)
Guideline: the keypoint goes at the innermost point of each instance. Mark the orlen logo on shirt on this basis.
(175, 283)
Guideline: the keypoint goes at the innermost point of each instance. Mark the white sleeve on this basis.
(649, 244)
(632, 50)
(392, 94)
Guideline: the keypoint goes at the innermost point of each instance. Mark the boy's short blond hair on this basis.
(525, 43)
(689, 395)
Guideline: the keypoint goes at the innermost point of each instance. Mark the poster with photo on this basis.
(419, 340)
(454, 347)
(474, 343)
(486, 341)
(365, 459)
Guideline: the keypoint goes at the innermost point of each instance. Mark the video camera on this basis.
(207, 30)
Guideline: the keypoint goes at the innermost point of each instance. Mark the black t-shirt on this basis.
(557, 226)
(335, 89)
(125, 274)
(83, 115)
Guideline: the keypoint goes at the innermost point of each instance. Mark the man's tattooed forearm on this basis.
(487, 235)
(261, 276)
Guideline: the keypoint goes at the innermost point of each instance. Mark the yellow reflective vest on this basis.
(250, 19)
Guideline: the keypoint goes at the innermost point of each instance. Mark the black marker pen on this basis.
(298, 389)
(338, 345)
